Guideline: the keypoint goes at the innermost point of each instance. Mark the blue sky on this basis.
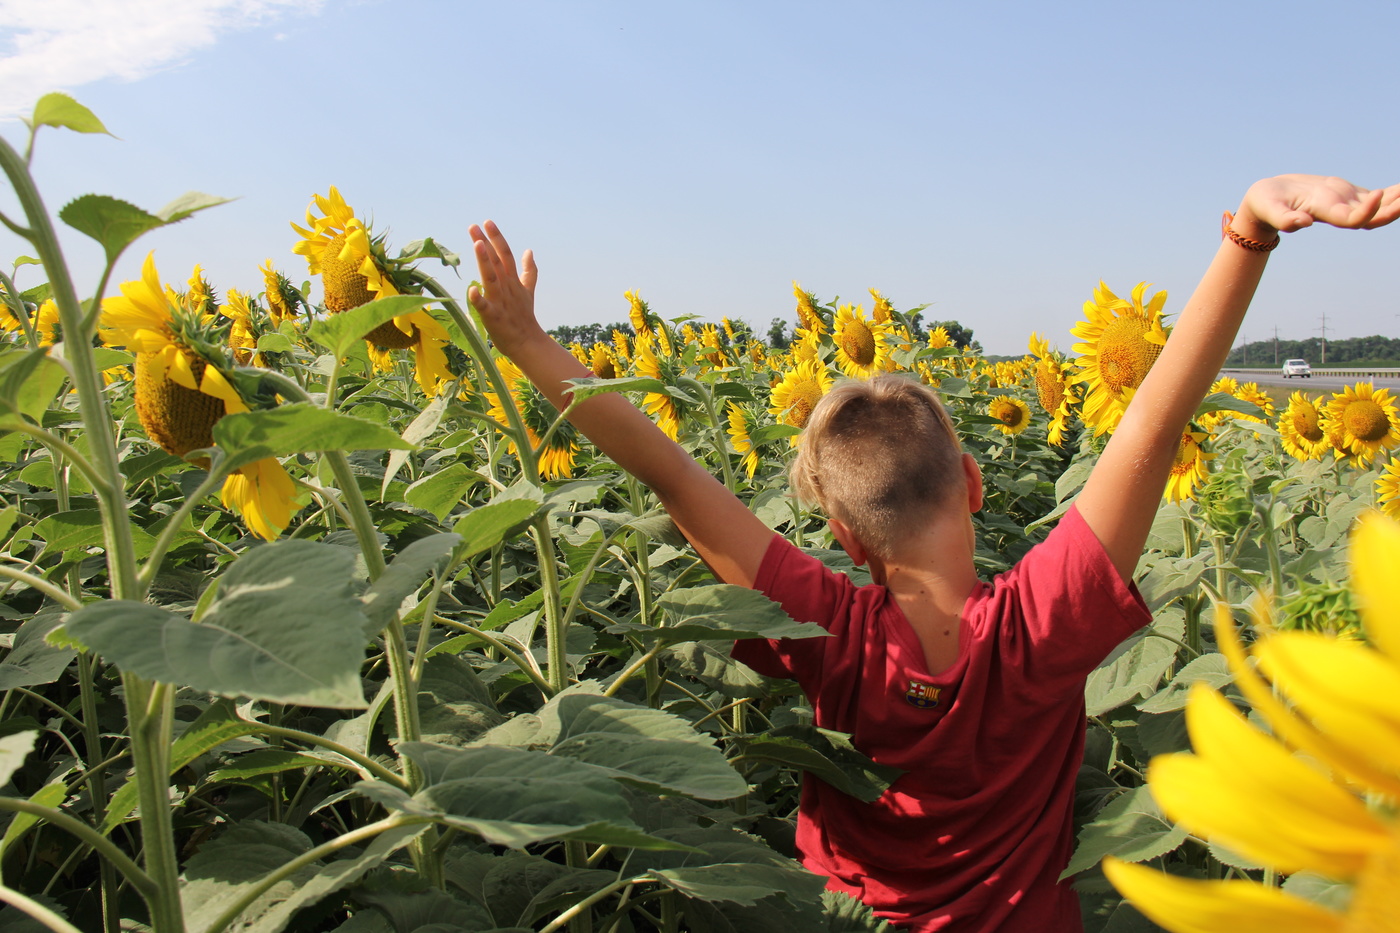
(993, 160)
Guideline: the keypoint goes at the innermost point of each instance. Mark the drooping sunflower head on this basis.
(1188, 466)
(556, 458)
(862, 347)
(622, 347)
(729, 334)
(282, 297)
(1012, 414)
(353, 265)
(47, 325)
(1300, 428)
(807, 315)
(201, 298)
(639, 312)
(806, 345)
(1388, 489)
(1122, 339)
(669, 411)
(1365, 421)
(798, 392)
(743, 421)
(938, 338)
(882, 311)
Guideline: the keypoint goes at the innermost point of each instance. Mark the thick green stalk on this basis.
(557, 667)
(37, 911)
(147, 705)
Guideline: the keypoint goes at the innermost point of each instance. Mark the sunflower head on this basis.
(808, 317)
(882, 311)
(639, 312)
(743, 421)
(1012, 414)
(1388, 489)
(556, 458)
(798, 392)
(862, 347)
(282, 297)
(1122, 339)
(1227, 501)
(1300, 427)
(602, 362)
(1188, 467)
(1364, 421)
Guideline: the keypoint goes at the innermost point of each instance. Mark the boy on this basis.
(974, 690)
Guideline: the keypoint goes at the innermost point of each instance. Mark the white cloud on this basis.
(53, 45)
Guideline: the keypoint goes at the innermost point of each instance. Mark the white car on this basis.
(1297, 368)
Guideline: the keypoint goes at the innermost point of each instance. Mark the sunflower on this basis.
(938, 338)
(639, 312)
(711, 349)
(181, 391)
(354, 270)
(804, 346)
(282, 297)
(1300, 428)
(807, 315)
(602, 362)
(668, 410)
(862, 347)
(1309, 794)
(1364, 421)
(1012, 414)
(242, 336)
(742, 423)
(882, 311)
(579, 352)
(201, 298)
(1188, 466)
(729, 333)
(623, 349)
(1052, 387)
(1388, 489)
(538, 413)
(797, 393)
(1122, 340)
(758, 353)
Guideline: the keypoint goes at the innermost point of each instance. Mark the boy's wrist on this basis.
(1248, 230)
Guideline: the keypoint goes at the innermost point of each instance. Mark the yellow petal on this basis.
(1375, 556)
(1248, 792)
(262, 494)
(179, 370)
(1186, 906)
(216, 385)
(1347, 690)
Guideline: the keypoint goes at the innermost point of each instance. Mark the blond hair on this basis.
(881, 457)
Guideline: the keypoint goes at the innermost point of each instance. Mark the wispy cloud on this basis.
(51, 45)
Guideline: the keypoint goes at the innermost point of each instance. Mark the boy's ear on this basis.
(848, 541)
(972, 474)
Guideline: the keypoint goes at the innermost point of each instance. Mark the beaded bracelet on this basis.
(1254, 246)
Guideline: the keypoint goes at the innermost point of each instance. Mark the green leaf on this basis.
(27, 261)
(82, 528)
(228, 864)
(585, 388)
(1135, 667)
(297, 428)
(738, 884)
(29, 382)
(1224, 401)
(454, 706)
(13, 750)
(647, 748)
(1131, 828)
(488, 525)
(714, 668)
(32, 660)
(826, 754)
(428, 248)
(114, 223)
(403, 576)
(285, 627)
(514, 798)
(723, 612)
(1210, 669)
(773, 432)
(50, 795)
(1320, 890)
(845, 914)
(440, 492)
(188, 203)
(276, 343)
(58, 109)
(219, 723)
(340, 332)
(264, 761)
(417, 431)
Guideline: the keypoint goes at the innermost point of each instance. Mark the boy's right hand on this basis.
(505, 299)
(1291, 202)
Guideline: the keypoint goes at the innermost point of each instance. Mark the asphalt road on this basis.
(1318, 382)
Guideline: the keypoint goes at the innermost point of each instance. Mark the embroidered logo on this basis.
(924, 696)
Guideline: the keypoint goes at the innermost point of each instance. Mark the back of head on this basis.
(880, 456)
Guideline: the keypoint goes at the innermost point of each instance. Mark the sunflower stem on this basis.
(557, 667)
(16, 305)
(721, 446)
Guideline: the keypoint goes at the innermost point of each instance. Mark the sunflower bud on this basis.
(1226, 502)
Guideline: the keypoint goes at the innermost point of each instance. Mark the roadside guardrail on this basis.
(1317, 371)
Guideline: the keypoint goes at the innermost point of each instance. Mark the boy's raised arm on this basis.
(726, 535)
(1121, 497)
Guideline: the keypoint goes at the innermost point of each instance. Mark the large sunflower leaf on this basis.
(512, 797)
(116, 224)
(721, 611)
(340, 332)
(1132, 828)
(228, 865)
(403, 576)
(439, 492)
(488, 525)
(83, 528)
(32, 660)
(13, 750)
(300, 427)
(29, 382)
(644, 747)
(286, 626)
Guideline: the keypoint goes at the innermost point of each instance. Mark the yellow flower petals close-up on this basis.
(1375, 558)
(1184, 905)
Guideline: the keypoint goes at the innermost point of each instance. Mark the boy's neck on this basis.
(933, 570)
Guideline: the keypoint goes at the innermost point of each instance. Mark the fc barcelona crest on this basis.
(924, 696)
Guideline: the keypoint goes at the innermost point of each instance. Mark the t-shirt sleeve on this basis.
(1071, 606)
(809, 591)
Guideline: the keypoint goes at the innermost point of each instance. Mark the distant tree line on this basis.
(1375, 350)
(779, 332)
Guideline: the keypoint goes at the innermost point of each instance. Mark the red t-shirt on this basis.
(975, 834)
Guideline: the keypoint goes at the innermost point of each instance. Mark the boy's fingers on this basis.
(493, 233)
(529, 272)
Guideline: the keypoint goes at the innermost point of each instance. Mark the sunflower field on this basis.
(319, 617)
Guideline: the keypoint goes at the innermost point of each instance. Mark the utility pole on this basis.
(1275, 344)
(1324, 340)
(1244, 348)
